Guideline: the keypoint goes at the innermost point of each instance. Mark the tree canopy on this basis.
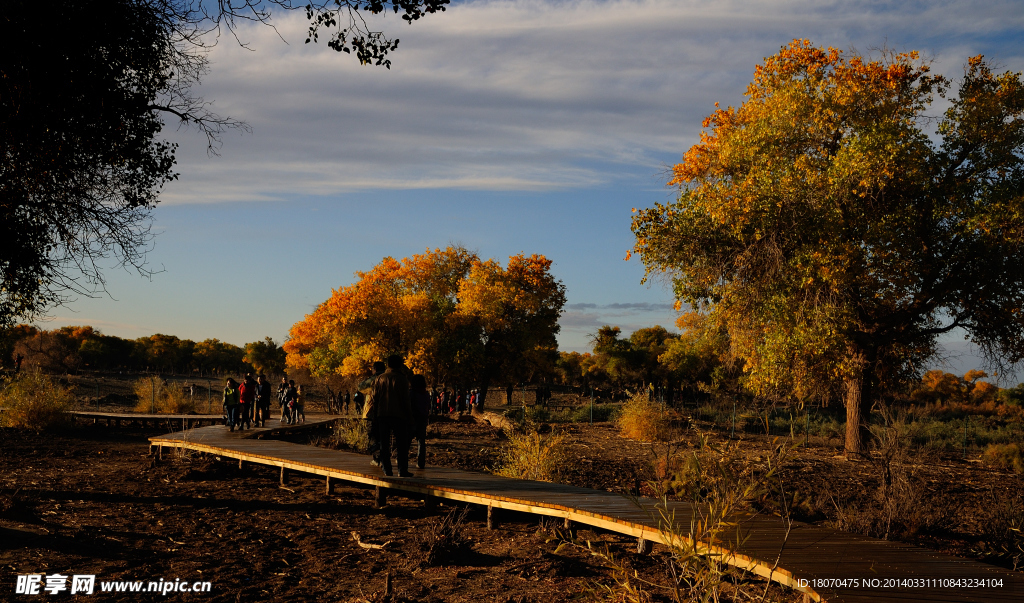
(832, 234)
(459, 320)
(85, 88)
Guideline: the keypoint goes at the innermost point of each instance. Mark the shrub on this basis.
(641, 419)
(1005, 456)
(168, 400)
(351, 434)
(35, 401)
(602, 413)
(530, 455)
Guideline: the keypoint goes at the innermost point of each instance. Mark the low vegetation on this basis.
(36, 401)
(642, 419)
(529, 454)
(156, 396)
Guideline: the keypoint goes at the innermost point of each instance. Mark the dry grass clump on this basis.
(641, 419)
(169, 400)
(1005, 456)
(720, 482)
(444, 541)
(353, 434)
(530, 455)
(36, 401)
(899, 508)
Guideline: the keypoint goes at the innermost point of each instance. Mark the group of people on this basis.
(397, 407)
(247, 404)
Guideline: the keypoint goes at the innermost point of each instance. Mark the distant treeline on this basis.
(71, 349)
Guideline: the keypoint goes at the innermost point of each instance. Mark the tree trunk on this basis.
(485, 385)
(857, 397)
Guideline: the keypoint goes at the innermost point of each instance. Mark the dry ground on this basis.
(92, 501)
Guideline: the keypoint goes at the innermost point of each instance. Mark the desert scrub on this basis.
(641, 419)
(155, 396)
(1005, 456)
(529, 454)
(720, 482)
(36, 401)
(352, 434)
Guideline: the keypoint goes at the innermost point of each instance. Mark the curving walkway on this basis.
(855, 569)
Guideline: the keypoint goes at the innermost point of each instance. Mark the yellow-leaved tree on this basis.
(833, 236)
(457, 319)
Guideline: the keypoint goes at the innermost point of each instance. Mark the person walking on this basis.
(394, 414)
(263, 393)
(421, 404)
(369, 413)
(282, 400)
(300, 404)
(291, 396)
(231, 402)
(247, 400)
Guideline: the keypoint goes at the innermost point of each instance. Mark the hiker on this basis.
(358, 399)
(300, 405)
(231, 402)
(282, 400)
(246, 399)
(290, 396)
(369, 413)
(394, 414)
(421, 405)
(262, 400)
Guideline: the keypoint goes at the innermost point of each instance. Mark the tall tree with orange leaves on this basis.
(834, 232)
(457, 319)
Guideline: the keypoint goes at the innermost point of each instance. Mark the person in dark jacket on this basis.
(369, 413)
(421, 416)
(394, 414)
(263, 395)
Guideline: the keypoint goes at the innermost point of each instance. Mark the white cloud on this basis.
(528, 95)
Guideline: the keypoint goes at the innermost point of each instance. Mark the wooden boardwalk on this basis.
(873, 570)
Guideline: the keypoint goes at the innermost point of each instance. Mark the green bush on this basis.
(36, 401)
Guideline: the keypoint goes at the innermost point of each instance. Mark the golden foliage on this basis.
(832, 238)
(437, 308)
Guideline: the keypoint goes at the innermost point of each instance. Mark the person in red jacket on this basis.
(247, 400)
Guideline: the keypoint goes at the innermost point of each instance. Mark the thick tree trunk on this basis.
(857, 397)
(485, 385)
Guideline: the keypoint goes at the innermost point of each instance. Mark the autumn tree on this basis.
(834, 236)
(512, 314)
(265, 356)
(457, 319)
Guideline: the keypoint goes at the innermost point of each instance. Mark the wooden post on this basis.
(490, 517)
(284, 477)
(328, 484)
(380, 497)
(240, 461)
(644, 546)
(567, 524)
(160, 453)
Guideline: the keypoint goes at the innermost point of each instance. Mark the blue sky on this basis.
(506, 126)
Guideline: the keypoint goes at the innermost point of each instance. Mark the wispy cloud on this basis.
(528, 95)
